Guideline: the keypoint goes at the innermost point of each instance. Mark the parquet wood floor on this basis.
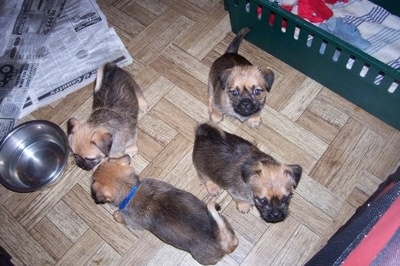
(344, 151)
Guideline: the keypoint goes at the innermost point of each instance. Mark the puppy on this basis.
(112, 126)
(226, 161)
(175, 216)
(237, 88)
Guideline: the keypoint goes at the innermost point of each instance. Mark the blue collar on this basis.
(129, 197)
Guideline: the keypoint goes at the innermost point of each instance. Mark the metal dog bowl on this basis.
(33, 155)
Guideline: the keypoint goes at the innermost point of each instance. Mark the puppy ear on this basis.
(269, 77)
(102, 194)
(295, 171)
(250, 170)
(103, 140)
(72, 124)
(223, 77)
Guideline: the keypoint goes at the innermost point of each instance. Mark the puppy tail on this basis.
(111, 73)
(223, 232)
(210, 130)
(103, 73)
(234, 45)
(99, 78)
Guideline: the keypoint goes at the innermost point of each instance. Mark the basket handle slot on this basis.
(393, 87)
(385, 81)
(247, 6)
(276, 20)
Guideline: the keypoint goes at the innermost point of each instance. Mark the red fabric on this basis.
(377, 238)
(314, 10)
(259, 11)
(287, 8)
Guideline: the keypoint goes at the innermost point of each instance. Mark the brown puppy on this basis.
(251, 177)
(112, 126)
(236, 87)
(175, 216)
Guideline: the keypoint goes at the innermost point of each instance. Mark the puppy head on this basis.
(247, 88)
(111, 179)
(89, 145)
(273, 185)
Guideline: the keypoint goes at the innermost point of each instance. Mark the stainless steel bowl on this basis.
(32, 156)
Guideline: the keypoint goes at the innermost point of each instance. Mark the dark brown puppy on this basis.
(175, 216)
(236, 87)
(112, 126)
(226, 161)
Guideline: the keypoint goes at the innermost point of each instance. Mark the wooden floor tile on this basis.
(344, 151)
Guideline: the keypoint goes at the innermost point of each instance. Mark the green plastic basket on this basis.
(367, 82)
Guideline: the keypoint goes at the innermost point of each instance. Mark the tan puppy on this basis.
(112, 126)
(236, 87)
(226, 161)
(175, 216)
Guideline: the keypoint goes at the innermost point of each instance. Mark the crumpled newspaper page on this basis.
(48, 50)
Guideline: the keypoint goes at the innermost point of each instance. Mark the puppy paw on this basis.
(212, 188)
(143, 105)
(216, 116)
(118, 217)
(132, 150)
(243, 207)
(254, 122)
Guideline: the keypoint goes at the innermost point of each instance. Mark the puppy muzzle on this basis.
(247, 107)
(85, 164)
(272, 214)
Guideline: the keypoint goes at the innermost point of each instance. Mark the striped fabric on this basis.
(377, 25)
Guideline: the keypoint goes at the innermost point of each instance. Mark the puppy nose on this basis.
(245, 103)
(276, 214)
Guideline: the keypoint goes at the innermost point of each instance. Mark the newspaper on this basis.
(48, 50)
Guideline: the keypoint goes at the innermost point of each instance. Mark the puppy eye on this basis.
(235, 92)
(286, 198)
(256, 91)
(262, 201)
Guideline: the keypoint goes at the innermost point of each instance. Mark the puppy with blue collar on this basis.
(175, 216)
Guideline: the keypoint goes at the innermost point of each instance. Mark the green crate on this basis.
(381, 100)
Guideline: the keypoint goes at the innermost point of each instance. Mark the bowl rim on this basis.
(64, 162)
